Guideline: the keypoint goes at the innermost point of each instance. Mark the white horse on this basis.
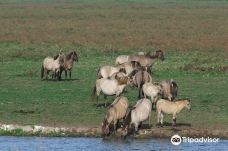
(109, 87)
(121, 59)
(139, 113)
(51, 64)
(108, 71)
(153, 91)
(168, 107)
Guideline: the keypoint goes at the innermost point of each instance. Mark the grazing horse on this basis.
(139, 78)
(109, 87)
(136, 115)
(153, 91)
(149, 59)
(51, 64)
(68, 63)
(169, 89)
(168, 107)
(115, 112)
(108, 71)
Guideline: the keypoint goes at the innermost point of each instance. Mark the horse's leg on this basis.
(65, 74)
(117, 123)
(136, 127)
(149, 120)
(70, 74)
(162, 116)
(46, 73)
(174, 120)
(158, 117)
(114, 124)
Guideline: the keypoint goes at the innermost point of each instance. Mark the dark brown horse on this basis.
(68, 63)
(139, 78)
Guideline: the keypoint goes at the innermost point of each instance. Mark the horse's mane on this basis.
(113, 103)
(69, 55)
(153, 55)
(121, 81)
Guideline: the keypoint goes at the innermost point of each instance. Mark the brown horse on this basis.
(68, 63)
(149, 59)
(139, 78)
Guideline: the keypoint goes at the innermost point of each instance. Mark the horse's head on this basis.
(160, 54)
(187, 104)
(105, 127)
(173, 89)
(61, 58)
(75, 56)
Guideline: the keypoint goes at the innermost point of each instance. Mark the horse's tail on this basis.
(42, 71)
(141, 94)
(94, 91)
(99, 76)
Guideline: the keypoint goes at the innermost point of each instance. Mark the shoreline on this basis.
(166, 132)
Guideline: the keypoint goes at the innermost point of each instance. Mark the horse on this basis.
(136, 115)
(68, 63)
(168, 107)
(108, 71)
(140, 77)
(51, 64)
(169, 89)
(115, 112)
(153, 91)
(130, 66)
(149, 59)
(141, 53)
(109, 87)
(121, 59)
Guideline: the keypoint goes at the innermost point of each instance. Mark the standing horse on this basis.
(139, 78)
(68, 63)
(169, 89)
(109, 87)
(130, 66)
(51, 64)
(149, 59)
(136, 115)
(168, 107)
(115, 112)
(153, 91)
(108, 71)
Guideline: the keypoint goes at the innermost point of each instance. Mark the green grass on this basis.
(193, 35)
(69, 103)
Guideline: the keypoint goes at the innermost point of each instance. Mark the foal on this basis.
(168, 107)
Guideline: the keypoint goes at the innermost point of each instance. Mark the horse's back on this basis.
(166, 106)
(121, 106)
(121, 59)
(107, 71)
(48, 63)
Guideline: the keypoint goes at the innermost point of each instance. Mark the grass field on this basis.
(193, 34)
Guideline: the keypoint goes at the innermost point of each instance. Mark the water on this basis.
(99, 144)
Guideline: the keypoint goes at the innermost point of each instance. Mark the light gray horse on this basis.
(136, 115)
